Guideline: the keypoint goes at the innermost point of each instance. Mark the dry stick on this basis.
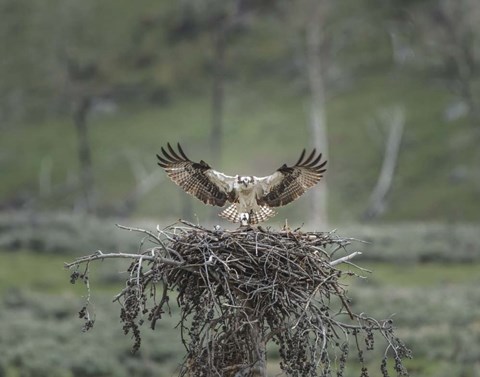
(345, 258)
(100, 255)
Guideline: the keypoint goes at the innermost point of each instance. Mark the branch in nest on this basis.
(345, 258)
(101, 255)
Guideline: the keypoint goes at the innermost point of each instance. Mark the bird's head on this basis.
(245, 180)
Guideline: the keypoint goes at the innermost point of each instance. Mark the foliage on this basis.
(437, 316)
(418, 242)
(440, 323)
(431, 187)
(152, 64)
(406, 243)
(55, 232)
(39, 338)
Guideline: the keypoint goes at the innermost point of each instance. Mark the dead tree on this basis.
(80, 114)
(454, 19)
(218, 89)
(239, 290)
(448, 29)
(223, 24)
(80, 80)
(318, 119)
(394, 119)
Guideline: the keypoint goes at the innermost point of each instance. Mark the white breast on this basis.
(247, 198)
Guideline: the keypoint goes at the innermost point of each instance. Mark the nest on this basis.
(239, 290)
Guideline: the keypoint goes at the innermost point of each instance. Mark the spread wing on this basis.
(288, 183)
(196, 178)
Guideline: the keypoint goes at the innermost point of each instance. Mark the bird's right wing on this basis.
(290, 182)
(197, 178)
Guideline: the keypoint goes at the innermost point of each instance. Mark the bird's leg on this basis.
(244, 219)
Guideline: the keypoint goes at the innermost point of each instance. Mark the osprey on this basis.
(251, 197)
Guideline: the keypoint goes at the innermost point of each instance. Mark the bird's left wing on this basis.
(290, 182)
(196, 178)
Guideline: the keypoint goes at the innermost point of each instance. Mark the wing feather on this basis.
(289, 183)
(196, 178)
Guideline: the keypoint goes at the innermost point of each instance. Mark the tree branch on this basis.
(100, 255)
(345, 259)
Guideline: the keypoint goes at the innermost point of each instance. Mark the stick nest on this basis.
(238, 290)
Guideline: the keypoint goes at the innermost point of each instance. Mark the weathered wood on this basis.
(395, 118)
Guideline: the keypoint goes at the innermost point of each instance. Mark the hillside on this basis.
(265, 126)
(149, 71)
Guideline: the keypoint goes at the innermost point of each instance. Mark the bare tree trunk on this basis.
(218, 93)
(465, 88)
(218, 101)
(223, 26)
(257, 345)
(84, 154)
(462, 52)
(318, 121)
(259, 351)
(143, 187)
(377, 202)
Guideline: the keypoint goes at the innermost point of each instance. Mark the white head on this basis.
(244, 219)
(245, 180)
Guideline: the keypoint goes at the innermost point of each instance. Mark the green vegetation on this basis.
(153, 62)
(421, 190)
(40, 335)
(44, 273)
(40, 330)
(148, 67)
(422, 275)
(434, 306)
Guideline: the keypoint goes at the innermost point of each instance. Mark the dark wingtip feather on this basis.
(182, 152)
(167, 156)
(163, 163)
(173, 153)
(315, 161)
(307, 161)
(301, 157)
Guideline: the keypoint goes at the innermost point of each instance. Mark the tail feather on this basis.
(230, 213)
(262, 214)
(256, 216)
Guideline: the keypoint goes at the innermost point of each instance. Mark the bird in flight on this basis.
(252, 197)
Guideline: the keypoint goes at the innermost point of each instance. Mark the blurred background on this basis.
(90, 90)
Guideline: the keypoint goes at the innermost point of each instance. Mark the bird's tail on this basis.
(230, 213)
(255, 216)
(261, 214)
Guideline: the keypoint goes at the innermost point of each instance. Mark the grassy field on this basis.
(424, 251)
(434, 306)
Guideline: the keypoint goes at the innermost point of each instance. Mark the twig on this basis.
(345, 258)
(100, 255)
